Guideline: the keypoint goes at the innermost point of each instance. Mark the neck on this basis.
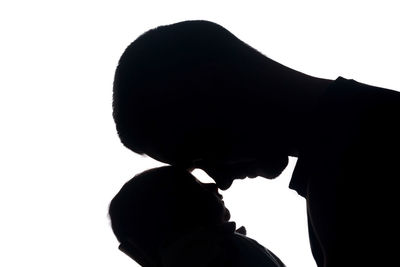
(298, 95)
(306, 97)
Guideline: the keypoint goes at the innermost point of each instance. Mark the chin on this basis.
(273, 171)
(224, 184)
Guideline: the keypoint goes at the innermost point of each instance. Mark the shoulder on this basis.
(228, 250)
(201, 249)
(350, 115)
(254, 254)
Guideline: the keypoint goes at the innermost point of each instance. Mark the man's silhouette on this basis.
(192, 94)
(166, 217)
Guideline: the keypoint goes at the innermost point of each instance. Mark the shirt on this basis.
(351, 154)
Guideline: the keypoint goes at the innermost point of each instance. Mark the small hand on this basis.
(241, 230)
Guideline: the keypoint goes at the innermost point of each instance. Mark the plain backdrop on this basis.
(61, 159)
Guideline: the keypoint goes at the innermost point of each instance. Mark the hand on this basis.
(242, 230)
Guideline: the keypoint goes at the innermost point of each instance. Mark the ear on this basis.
(133, 251)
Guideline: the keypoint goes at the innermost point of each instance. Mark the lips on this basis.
(227, 215)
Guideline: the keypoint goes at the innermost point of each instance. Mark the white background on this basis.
(61, 160)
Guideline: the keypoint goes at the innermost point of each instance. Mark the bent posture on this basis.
(165, 217)
(192, 94)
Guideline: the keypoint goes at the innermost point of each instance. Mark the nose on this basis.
(211, 187)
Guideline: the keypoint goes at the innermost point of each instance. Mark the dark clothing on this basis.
(222, 247)
(348, 170)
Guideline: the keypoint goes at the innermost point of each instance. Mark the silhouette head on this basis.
(194, 95)
(159, 206)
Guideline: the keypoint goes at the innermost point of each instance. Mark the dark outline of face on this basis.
(225, 152)
(225, 172)
(225, 168)
(211, 200)
(205, 206)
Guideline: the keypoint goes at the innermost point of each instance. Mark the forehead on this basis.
(184, 185)
(182, 149)
(163, 181)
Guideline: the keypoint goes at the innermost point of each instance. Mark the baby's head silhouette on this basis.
(159, 206)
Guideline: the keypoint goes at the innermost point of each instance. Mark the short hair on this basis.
(155, 207)
(170, 73)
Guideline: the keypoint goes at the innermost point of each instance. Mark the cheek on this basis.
(215, 210)
(272, 168)
(216, 173)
